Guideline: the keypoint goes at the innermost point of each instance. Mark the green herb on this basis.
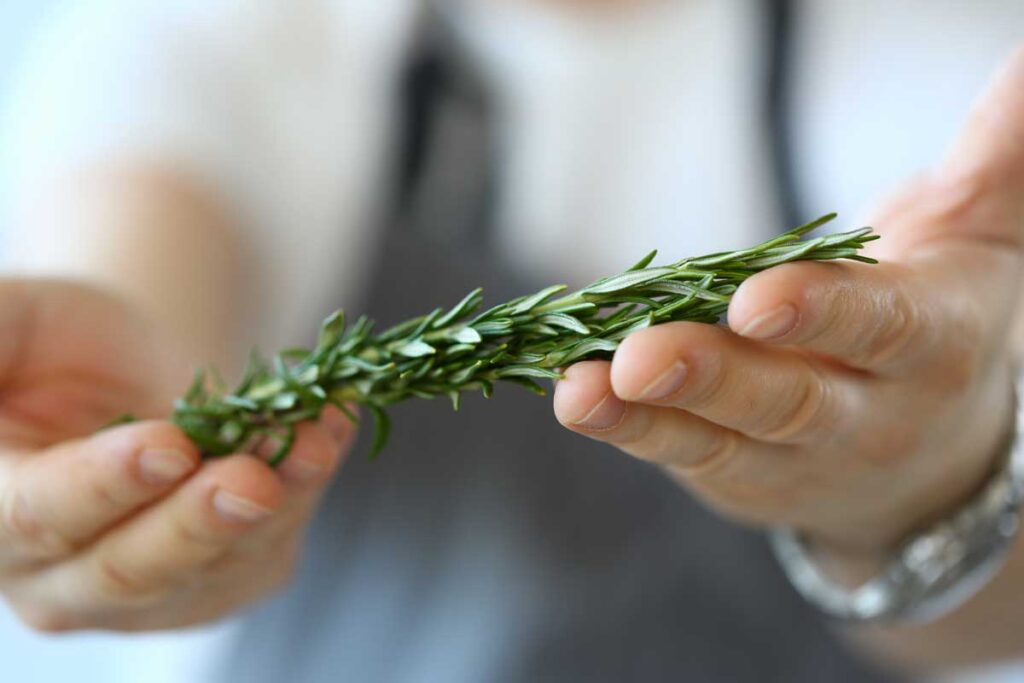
(463, 349)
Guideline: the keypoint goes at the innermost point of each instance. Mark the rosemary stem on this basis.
(447, 353)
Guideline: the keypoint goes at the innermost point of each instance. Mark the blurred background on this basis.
(556, 205)
(18, 18)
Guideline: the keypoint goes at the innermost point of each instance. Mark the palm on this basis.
(77, 358)
(125, 528)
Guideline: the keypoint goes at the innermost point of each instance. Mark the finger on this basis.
(987, 159)
(585, 403)
(750, 480)
(59, 499)
(768, 394)
(319, 450)
(227, 593)
(169, 544)
(250, 566)
(223, 594)
(870, 317)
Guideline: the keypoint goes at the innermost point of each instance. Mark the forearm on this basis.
(985, 630)
(151, 236)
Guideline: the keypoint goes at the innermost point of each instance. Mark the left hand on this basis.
(125, 529)
(853, 402)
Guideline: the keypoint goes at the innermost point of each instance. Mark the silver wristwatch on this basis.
(935, 570)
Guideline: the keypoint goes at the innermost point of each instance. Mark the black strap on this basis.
(421, 82)
(438, 80)
(777, 97)
(447, 170)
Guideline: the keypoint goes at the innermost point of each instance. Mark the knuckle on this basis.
(719, 453)
(659, 438)
(902, 328)
(643, 434)
(23, 531)
(103, 494)
(774, 495)
(805, 416)
(632, 432)
(115, 584)
(16, 521)
(821, 301)
(710, 390)
(186, 534)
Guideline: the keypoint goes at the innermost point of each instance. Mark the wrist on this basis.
(934, 571)
(855, 555)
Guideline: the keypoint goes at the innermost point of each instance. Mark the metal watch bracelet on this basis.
(935, 570)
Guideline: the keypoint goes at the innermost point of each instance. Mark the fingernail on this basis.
(772, 324)
(163, 465)
(235, 508)
(605, 415)
(301, 470)
(667, 383)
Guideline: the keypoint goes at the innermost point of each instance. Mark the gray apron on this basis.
(491, 545)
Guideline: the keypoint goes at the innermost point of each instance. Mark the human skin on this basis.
(124, 528)
(841, 426)
(854, 402)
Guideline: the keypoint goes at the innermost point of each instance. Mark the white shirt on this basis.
(622, 134)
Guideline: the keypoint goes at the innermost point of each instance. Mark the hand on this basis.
(850, 401)
(124, 528)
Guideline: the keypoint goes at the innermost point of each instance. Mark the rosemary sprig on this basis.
(463, 349)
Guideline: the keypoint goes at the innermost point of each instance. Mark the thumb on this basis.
(962, 226)
(981, 179)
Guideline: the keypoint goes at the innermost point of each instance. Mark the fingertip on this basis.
(755, 294)
(582, 370)
(653, 365)
(769, 305)
(159, 453)
(150, 433)
(241, 488)
(315, 455)
(339, 425)
(77, 489)
(585, 389)
(640, 357)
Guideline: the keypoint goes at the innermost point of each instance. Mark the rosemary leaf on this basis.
(464, 349)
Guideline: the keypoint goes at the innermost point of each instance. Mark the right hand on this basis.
(125, 528)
